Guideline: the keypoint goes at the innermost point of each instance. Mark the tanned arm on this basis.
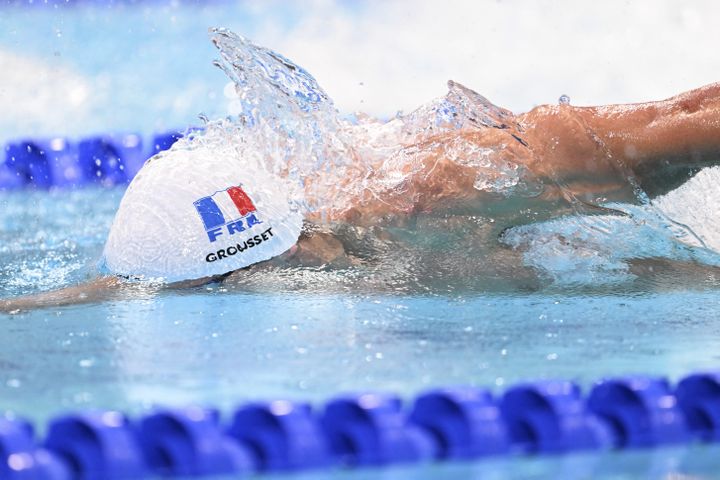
(666, 142)
(95, 290)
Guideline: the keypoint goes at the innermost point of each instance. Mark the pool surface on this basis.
(223, 344)
(577, 297)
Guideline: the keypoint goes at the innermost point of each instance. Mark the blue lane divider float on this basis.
(61, 163)
(282, 435)
(699, 399)
(553, 417)
(372, 429)
(643, 411)
(98, 444)
(190, 442)
(465, 422)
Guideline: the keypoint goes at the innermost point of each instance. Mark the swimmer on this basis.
(572, 155)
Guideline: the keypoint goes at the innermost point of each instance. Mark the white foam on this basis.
(696, 205)
(683, 225)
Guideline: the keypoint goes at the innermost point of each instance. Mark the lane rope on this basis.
(58, 162)
(367, 430)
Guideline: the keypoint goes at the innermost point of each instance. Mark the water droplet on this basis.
(86, 362)
(564, 100)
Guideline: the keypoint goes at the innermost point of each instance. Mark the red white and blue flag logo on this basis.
(226, 212)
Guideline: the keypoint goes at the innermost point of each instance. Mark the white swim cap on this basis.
(198, 212)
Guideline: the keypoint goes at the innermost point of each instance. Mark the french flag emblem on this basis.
(225, 211)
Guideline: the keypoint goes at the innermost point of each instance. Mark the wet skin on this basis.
(577, 158)
(575, 153)
(572, 155)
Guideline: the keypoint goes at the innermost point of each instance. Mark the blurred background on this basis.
(73, 67)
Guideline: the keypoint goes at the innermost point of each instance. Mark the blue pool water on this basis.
(416, 322)
(220, 345)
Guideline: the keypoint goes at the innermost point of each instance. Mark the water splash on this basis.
(600, 249)
(260, 73)
(461, 108)
(289, 127)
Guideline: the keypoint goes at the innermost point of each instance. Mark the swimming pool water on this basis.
(301, 336)
(220, 345)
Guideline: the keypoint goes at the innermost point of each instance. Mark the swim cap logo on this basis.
(228, 212)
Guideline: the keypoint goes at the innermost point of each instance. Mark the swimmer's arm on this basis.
(681, 131)
(94, 291)
(97, 290)
(315, 247)
(661, 143)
